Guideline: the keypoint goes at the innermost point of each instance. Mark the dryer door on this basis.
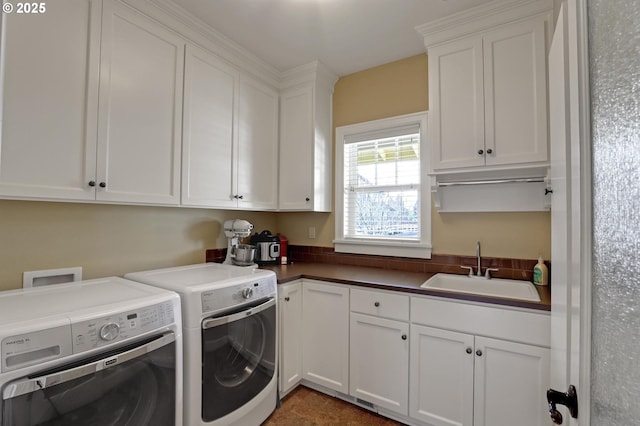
(134, 385)
(238, 358)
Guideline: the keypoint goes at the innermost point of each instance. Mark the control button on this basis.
(247, 292)
(109, 331)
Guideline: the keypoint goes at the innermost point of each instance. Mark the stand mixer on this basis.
(238, 254)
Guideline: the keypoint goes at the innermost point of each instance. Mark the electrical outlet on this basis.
(312, 232)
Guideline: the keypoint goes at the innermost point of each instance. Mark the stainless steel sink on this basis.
(497, 287)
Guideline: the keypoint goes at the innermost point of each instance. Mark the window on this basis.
(381, 205)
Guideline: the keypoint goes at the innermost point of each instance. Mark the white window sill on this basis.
(414, 250)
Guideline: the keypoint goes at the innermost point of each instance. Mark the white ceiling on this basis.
(345, 35)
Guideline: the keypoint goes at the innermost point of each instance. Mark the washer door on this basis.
(238, 358)
(135, 386)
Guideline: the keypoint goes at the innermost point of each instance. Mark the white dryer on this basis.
(230, 332)
(96, 352)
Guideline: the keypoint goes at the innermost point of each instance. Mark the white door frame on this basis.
(575, 313)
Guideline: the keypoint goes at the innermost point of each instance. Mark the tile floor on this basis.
(307, 407)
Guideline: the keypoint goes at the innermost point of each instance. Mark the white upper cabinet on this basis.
(456, 104)
(257, 146)
(209, 131)
(140, 109)
(230, 137)
(515, 94)
(49, 101)
(488, 98)
(306, 140)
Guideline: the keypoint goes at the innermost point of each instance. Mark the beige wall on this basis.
(401, 88)
(107, 239)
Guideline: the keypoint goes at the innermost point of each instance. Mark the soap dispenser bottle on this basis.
(540, 273)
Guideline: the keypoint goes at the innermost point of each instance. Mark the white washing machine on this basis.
(96, 352)
(230, 332)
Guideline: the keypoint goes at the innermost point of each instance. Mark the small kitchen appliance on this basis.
(268, 248)
(238, 254)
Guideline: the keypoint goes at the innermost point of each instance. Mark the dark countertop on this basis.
(387, 279)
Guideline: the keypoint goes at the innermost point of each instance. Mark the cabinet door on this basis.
(209, 131)
(140, 119)
(290, 307)
(379, 362)
(515, 86)
(257, 146)
(510, 384)
(442, 364)
(49, 101)
(456, 104)
(296, 149)
(325, 344)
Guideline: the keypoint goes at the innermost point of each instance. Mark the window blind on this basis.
(382, 184)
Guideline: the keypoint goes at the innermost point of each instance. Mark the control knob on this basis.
(109, 331)
(247, 292)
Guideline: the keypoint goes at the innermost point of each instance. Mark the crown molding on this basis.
(203, 35)
(480, 18)
(313, 72)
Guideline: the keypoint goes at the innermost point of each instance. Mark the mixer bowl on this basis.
(243, 254)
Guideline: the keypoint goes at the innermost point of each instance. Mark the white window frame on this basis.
(420, 249)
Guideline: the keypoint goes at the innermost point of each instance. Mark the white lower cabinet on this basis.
(420, 360)
(510, 380)
(442, 383)
(325, 339)
(461, 378)
(290, 317)
(379, 349)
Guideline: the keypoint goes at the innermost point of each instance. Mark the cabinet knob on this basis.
(469, 350)
(286, 299)
(489, 151)
(241, 196)
(307, 199)
(404, 337)
(92, 183)
(102, 184)
(480, 151)
(376, 304)
(479, 352)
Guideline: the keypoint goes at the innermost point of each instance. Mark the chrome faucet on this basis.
(487, 274)
(479, 273)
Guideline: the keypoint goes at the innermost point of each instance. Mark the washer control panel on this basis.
(224, 298)
(106, 330)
